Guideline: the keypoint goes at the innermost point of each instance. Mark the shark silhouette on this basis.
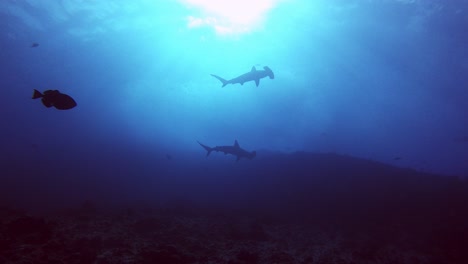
(253, 75)
(235, 150)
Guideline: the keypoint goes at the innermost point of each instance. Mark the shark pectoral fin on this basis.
(257, 82)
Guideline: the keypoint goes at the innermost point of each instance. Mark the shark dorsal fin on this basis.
(236, 145)
(253, 69)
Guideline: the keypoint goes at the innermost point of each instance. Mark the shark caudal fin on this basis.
(269, 72)
(37, 94)
(208, 149)
(220, 79)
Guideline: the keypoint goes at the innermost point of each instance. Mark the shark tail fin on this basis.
(208, 149)
(37, 94)
(225, 82)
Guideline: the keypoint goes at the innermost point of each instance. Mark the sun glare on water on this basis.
(228, 16)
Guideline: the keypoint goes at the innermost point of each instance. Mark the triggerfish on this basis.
(55, 98)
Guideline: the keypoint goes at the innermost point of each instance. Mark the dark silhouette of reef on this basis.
(277, 208)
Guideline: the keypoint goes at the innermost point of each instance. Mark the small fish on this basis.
(55, 98)
(397, 158)
(34, 45)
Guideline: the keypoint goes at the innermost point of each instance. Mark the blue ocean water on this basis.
(361, 87)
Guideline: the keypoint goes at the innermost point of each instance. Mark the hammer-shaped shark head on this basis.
(269, 72)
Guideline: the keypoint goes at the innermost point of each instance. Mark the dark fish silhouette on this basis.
(235, 150)
(55, 98)
(35, 45)
(253, 75)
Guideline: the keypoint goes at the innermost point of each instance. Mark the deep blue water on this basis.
(361, 137)
(378, 80)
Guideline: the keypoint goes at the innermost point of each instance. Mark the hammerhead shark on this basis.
(235, 150)
(253, 75)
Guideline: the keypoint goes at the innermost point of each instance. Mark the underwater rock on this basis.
(147, 226)
(247, 230)
(165, 254)
(246, 257)
(29, 229)
(281, 257)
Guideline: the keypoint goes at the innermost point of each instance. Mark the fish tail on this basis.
(220, 79)
(37, 94)
(208, 149)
